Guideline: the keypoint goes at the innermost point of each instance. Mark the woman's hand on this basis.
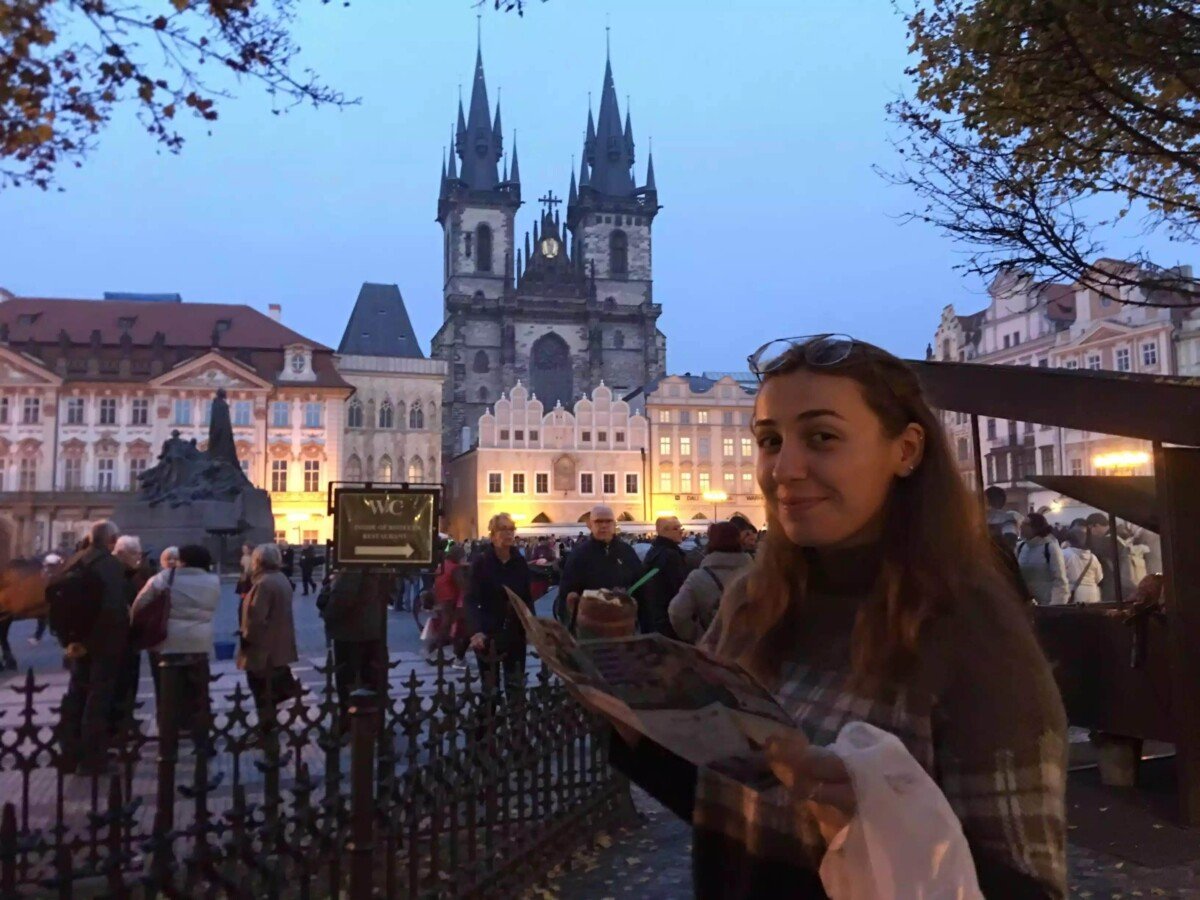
(816, 778)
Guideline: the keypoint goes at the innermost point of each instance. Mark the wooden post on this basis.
(362, 794)
(1177, 480)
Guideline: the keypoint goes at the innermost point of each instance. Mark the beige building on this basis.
(1059, 326)
(90, 390)
(702, 453)
(549, 468)
(393, 422)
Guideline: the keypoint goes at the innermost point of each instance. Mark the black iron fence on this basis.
(442, 787)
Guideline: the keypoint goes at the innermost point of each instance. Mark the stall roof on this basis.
(1131, 498)
(1150, 407)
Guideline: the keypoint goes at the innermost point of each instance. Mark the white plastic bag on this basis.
(904, 842)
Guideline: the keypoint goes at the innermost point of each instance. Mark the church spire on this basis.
(451, 173)
(573, 193)
(611, 145)
(651, 187)
(479, 143)
(515, 175)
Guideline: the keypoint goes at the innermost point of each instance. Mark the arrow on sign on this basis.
(405, 550)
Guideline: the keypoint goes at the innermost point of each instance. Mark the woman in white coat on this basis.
(1084, 570)
(1041, 561)
(195, 592)
(692, 609)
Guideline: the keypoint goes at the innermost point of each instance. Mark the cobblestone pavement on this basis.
(653, 860)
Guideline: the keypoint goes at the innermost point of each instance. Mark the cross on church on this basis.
(550, 201)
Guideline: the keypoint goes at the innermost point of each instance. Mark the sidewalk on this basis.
(1121, 845)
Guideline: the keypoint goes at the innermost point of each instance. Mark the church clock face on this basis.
(549, 248)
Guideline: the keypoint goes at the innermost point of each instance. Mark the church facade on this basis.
(565, 309)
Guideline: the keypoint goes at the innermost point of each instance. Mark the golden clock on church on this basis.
(549, 248)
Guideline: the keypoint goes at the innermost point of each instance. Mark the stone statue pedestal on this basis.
(247, 519)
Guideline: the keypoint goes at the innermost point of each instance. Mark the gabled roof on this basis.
(42, 320)
(379, 325)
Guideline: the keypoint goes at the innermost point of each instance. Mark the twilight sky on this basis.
(766, 117)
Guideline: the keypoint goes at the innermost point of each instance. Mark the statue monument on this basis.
(194, 496)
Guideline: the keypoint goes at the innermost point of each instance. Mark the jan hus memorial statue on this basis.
(194, 496)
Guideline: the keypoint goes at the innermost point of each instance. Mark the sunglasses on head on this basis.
(818, 350)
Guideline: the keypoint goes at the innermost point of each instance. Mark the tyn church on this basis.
(571, 308)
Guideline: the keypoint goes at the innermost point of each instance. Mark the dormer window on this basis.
(298, 364)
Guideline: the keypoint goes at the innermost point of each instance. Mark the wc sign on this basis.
(385, 527)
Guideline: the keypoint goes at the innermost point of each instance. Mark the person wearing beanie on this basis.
(695, 605)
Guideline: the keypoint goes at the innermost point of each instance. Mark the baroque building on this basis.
(392, 421)
(550, 467)
(568, 307)
(91, 389)
(1030, 323)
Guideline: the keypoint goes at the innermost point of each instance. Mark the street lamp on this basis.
(715, 497)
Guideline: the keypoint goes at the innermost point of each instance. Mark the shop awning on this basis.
(1127, 497)
(1150, 407)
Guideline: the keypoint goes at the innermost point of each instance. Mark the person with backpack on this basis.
(666, 560)
(695, 605)
(1041, 561)
(90, 617)
(1084, 570)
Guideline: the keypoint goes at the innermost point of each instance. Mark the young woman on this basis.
(1040, 557)
(874, 597)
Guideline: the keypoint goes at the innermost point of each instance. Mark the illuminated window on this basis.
(705, 481)
(664, 416)
(518, 482)
(664, 445)
(702, 417)
(312, 476)
(495, 482)
(664, 482)
(727, 446)
(685, 446)
(747, 482)
(747, 447)
(279, 475)
(685, 482)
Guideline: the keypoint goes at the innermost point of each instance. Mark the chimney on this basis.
(275, 311)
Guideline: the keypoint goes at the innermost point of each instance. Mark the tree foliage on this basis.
(65, 65)
(1035, 128)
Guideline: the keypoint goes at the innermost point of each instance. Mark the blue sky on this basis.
(766, 117)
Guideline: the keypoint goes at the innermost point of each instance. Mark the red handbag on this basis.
(148, 624)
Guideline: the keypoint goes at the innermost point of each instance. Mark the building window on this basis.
(747, 447)
(31, 411)
(312, 476)
(1093, 361)
(386, 471)
(495, 482)
(587, 483)
(482, 395)
(747, 482)
(705, 482)
(354, 468)
(727, 447)
(533, 435)
(1123, 360)
(664, 416)
(105, 472)
(727, 418)
(1076, 466)
(74, 410)
(685, 446)
(1150, 354)
(279, 472)
(312, 415)
(27, 475)
(730, 482)
(702, 417)
(1071, 364)
(483, 248)
(280, 414)
(245, 466)
(703, 447)
(139, 412)
(137, 466)
(664, 482)
(1029, 428)
(631, 483)
(3, 410)
(608, 482)
(586, 437)
(541, 483)
(183, 411)
(416, 417)
(206, 413)
(518, 435)
(964, 449)
(618, 254)
(602, 437)
(416, 470)
(387, 415)
(664, 445)
(108, 411)
(685, 417)
(518, 481)
(72, 474)
(481, 364)
(1047, 462)
(685, 482)
(242, 411)
(354, 415)
(991, 429)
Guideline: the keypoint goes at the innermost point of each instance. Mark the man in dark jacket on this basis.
(353, 604)
(95, 661)
(599, 561)
(667, 561)
(308, 564)
(496, 633)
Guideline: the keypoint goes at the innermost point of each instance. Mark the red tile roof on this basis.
(183, 324)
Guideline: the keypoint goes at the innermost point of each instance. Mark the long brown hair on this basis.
(934, 543)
